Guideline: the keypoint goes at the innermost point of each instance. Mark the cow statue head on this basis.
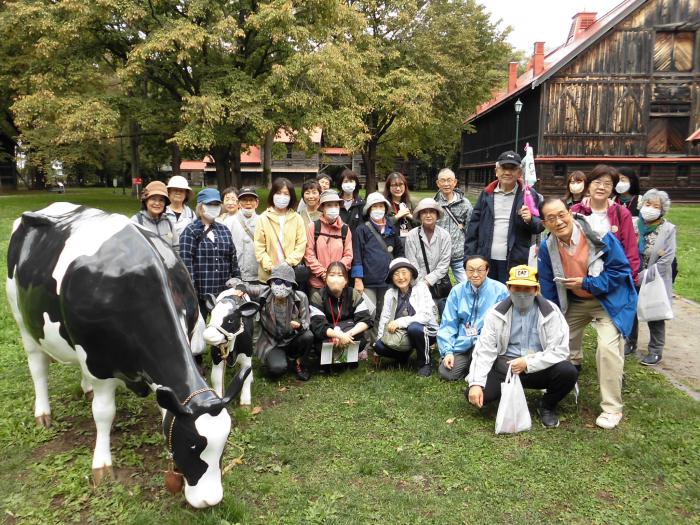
(196, 430)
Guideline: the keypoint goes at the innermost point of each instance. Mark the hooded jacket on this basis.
(163, 227)
(609, 276)
(462, 209)
(267, 239)
(354, 216)
(329, 248)
(480, 232)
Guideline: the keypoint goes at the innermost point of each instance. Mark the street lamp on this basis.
(518, 109)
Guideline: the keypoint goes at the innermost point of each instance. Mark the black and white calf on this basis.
(230, 328)
(94, 290)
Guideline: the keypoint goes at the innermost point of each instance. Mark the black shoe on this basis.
(579, 368)
(302, 373)
(630, 349)
(425, 370)
(548, 417)
(650, 359)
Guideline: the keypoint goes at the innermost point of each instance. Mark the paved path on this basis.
(681, 359)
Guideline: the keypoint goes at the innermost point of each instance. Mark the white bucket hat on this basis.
(428, 204)
(375, 198)
(179, 182)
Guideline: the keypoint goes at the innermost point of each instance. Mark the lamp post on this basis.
(518, 109)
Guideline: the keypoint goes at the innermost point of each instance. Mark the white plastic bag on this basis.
(513, 415)
(653, 303)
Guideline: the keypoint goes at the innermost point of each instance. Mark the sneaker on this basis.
(425, 371)
(630, 349)
(608, 420)
(650, 359)
(302, 373)
(548, 416)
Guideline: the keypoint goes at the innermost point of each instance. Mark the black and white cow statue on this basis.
(229, 331)
(94, 290)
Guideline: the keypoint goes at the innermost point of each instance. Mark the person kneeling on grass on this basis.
(529, 333)
(408, 317)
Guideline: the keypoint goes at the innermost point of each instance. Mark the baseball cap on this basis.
(522, 275)
(509, 158)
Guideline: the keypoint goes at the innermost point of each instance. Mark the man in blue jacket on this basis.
(590, 279)
(501, 226)
(463, 317)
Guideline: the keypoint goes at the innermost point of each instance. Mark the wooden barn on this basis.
(624, 89)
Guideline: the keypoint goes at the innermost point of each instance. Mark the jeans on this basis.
(458, 270)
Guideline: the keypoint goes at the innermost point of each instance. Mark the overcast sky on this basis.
(541, 20)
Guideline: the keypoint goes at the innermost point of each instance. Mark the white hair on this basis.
(654, 194)
(446, 171)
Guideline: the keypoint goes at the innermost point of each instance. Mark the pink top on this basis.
(329, 249)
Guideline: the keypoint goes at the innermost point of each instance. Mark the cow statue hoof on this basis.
(102, 473)
(44, 420)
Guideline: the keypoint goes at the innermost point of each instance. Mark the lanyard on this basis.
(474, 310)
(335, 319)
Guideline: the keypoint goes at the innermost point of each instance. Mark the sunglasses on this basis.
(280, 282)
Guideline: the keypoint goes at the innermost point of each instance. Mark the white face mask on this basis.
(348, 187)
(377, 215)
(247, 213)
(280, 290)
(280, 201)
(211, 211)
(649, 214)
(332, 213)
(522, 300)
(622, 187)
(576, 188)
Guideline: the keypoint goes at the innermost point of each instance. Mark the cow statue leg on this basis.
(246, 361)
(103, 411)
(39, 368)
(86, 387)
(217, 377)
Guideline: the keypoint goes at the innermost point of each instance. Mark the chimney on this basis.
(580, 22)
(538, 59)
(512, 76)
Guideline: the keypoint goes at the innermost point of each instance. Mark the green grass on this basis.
(368, 446)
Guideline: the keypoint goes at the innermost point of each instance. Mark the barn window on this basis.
(682, 170)
(644, 170)
(673, 51)
(667, 134)
(290, 147)
(560, 170)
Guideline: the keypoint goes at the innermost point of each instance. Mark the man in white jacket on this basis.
(528, 333)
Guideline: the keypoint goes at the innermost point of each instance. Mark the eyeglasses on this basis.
(553, 219)
(602, 184)
(477, 270)
(396, 185)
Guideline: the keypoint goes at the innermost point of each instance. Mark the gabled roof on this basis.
(560, 57)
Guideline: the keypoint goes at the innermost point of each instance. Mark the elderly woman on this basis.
(179, 192)
(230, 206)
(408, 318)
(207, 249)
(339, 313)
(152, 216)
(429, 249)
(657, 247)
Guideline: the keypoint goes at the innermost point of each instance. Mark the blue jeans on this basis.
(458, 270)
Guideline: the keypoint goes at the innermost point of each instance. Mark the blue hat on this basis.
(208, 195)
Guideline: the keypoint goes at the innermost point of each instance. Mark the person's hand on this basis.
(295, 325)
(359, 285)
(573, 283)
(525, 214)
(518, 365)
(392, 327)
(238, 293)
(344, 339)
(449, 361)
(403, 212)
(476, 396)
(427, 283)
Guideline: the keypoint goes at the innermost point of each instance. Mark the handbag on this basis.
(440, 289)
(653, 303)
(398, 341)
(513, 415)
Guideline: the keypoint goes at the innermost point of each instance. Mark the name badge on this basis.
(472, 332)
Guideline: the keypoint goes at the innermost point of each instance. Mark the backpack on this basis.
(317, 232)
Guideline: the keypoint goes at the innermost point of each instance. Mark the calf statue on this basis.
(94, 290)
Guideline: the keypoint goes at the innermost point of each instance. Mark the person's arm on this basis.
(346, 259)
(445, 254)
(304, 313)
(471, 237)
(664, 262)
(187, 248)
(387, 313)
(260, 240)
(235, 270)
(315, 267)
(319, 323)
(616, 270)
(297, 254)
(357, 272)
(555, 349)
(545, 273)
(449, 326)
(412, 252)
(423, 307)
(485, 351)
(361, 317)
(628, 238)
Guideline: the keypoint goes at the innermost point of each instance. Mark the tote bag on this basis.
(653, 303)
(513, 415)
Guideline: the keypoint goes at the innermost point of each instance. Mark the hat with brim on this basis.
(398, 263)
(178, 182)
(428, 204)
(247, 192)
(329, 196)
(208, 195)
(375, 198)
(285, 272)
(155, 188)
(522, 275)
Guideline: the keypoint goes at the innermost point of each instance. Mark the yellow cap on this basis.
(523, 275)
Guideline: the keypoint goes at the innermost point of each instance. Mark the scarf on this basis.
(645, 229)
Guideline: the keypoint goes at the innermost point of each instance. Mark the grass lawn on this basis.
(368, 446)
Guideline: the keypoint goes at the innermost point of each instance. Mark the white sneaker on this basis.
(608, 420)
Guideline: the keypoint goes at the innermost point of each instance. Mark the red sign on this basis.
(137, 181)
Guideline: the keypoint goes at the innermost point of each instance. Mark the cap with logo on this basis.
(509, 158)
(522, 275)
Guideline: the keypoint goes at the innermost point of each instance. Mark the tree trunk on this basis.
(236, 176)
(222, 158)
(369, 157)
(175, 158)
(267, 158)
(134, 157)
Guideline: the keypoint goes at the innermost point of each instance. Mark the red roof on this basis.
(192, 165)
(251, 155)
(584, 33)
(695, 137)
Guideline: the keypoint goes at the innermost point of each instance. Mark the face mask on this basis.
(247, 213)
(377, 215)
(280, 201)
(522, 300)
(622, 187)
(649, 214)
(211, 211)
(335, 282)
(348, 187)
(576, 188)
(332, 213)
(280, 290)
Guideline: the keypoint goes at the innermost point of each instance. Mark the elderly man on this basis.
(590, 279)
(463, 317)
(501, 226)
(455, 219)
(529, 334)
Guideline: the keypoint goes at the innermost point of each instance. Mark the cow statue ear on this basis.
(210, 301)
(236, 385)
(168, 400)
(249, 308)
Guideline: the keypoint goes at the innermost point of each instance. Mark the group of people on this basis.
(374, 274)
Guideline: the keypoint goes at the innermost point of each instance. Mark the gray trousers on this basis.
(460, 368)
(657, 336)
(376, 295)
